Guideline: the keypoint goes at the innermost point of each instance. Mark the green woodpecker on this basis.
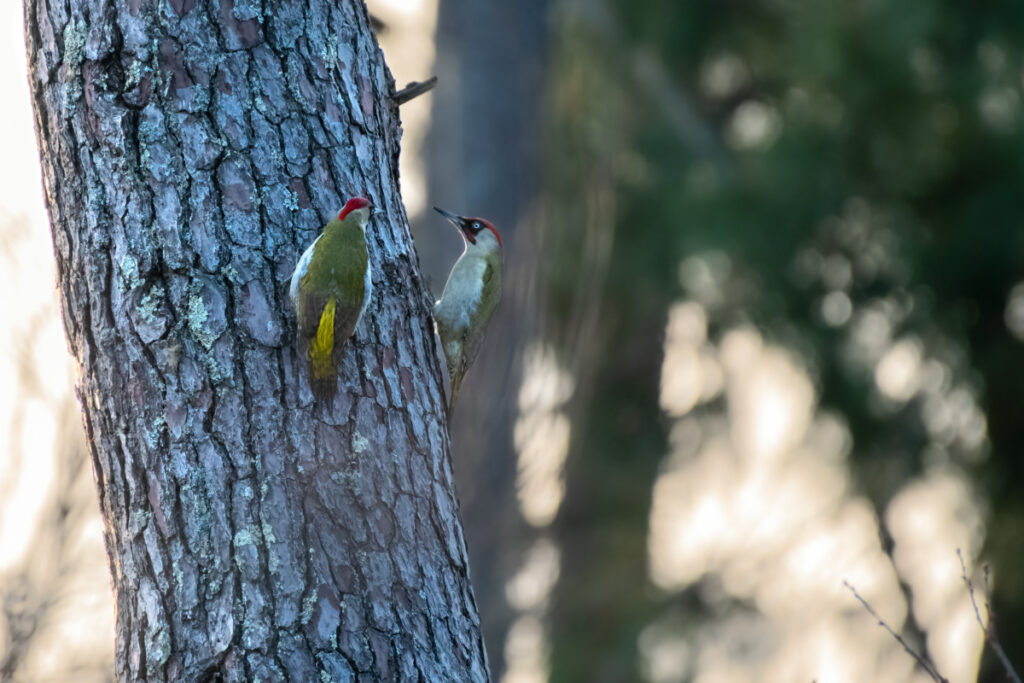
(470, 296)
(330, 289)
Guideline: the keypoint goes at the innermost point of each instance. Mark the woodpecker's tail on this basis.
(322, 345)
(455, 384)
(321, 354)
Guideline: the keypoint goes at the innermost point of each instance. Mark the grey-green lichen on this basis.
(179, 576)
(245, 537)
(291, 200)
(359, 443)
(75, 34)
(159, 79)
(214, 369)
(308, 603)
(158, 649)
(152, 435)
(136, 71)
(149, 303)
(197, 316)
(151, 129)
(139, 521)
(213, 585)
(129, 272)
(97, 198)
(329, 49)
(231, 273)
(201, 97)
(274, 561)
(243, 10)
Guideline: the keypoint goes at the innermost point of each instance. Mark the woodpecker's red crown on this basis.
(352, 205)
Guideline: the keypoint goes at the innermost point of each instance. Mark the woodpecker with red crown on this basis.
(470, 296)
(330, 290)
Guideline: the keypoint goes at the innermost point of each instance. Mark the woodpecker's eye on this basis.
(477, 226)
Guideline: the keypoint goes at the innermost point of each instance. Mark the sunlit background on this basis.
(761, 336)
(56, 609)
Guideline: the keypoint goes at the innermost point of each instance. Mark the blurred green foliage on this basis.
(870, 148)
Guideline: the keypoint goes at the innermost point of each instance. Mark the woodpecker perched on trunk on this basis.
(330, 289)
(470, 296)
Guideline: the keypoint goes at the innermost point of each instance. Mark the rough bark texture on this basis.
(190, 151)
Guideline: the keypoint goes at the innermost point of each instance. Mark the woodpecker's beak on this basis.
(459, 222)
(455, 219)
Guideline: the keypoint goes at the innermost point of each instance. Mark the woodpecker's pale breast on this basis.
(462, 293)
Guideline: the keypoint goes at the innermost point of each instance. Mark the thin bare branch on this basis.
(414, 89)
(988, 626)
(929, 668)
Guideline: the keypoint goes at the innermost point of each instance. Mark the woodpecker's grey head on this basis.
(477, 232)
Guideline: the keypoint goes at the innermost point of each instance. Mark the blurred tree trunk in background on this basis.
(606, 333)
(485, 151)
(188, 156)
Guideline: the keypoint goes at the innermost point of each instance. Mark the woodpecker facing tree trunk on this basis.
(330, 290)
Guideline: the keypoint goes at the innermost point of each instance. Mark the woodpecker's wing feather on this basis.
(490, 292)
(300, 270)
(367, 290)
(351, 275)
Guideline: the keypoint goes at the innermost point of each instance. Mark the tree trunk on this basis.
(190, 151)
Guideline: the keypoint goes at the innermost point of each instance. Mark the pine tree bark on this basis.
(190, 150)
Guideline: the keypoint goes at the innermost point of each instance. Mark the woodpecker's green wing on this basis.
(469, 338)
(490, 293)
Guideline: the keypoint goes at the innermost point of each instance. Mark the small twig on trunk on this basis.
(988, 626)
(414, 89)
(925, 664)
